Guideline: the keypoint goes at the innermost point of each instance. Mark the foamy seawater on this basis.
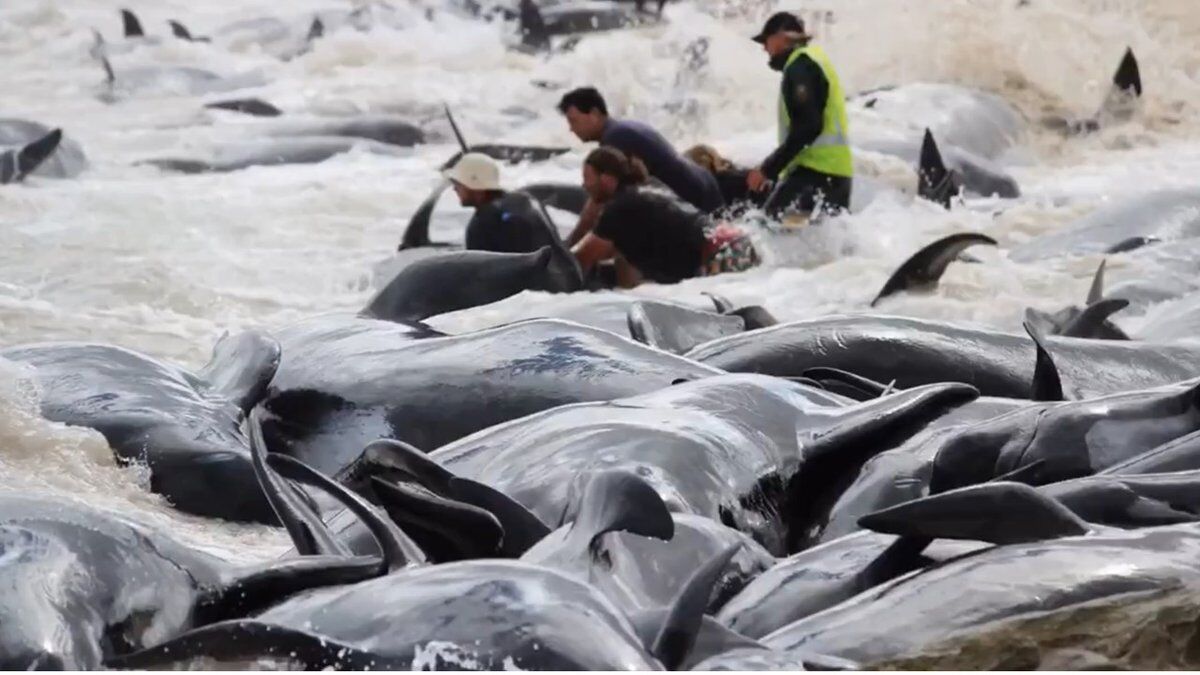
(166, 263)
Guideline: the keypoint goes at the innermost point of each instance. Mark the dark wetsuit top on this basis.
(512, 223)
(684, 177)
(738, 196)
(659, 236)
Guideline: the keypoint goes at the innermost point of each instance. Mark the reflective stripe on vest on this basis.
(829, 153)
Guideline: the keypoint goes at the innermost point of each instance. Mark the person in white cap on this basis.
(505, 222)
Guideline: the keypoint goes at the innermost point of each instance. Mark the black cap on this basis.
(780, 21)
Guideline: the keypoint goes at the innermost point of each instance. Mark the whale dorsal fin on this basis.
(925, 267)
(620, 501)
(935, 182)
(1047, 385)
(132, 26)
(1121, 100)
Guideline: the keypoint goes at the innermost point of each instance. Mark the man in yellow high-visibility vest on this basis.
(812, 167)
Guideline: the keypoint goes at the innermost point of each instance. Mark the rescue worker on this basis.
(812, 167)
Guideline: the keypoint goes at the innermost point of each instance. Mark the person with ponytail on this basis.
(650, 235)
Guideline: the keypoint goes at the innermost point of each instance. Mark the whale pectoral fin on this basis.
(995, 512)
(935, 182)
(398, 550)
(676, 329)
(1093, 322)
(925, 267)
(257, 588)
(16, 164)
(1047, 385)
(522, 529)
(447, 529)
(308, 533)
(131, 24)
(619, 501)
(417, 232)
(242, 367)
(249, 640)
(679, 629)
(397, 461)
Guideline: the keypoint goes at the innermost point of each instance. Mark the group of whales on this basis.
(973, 130)
(290, 38)
(711, 489)
(638, 484)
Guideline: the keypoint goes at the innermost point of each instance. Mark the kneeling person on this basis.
(652, 236)
(504, 222)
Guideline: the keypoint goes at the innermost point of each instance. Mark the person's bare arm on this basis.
(592, 250)
(587, 220)
(628, 276)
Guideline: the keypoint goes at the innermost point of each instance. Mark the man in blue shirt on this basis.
(587, 115)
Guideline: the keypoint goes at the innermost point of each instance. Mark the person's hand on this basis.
(756, 181)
